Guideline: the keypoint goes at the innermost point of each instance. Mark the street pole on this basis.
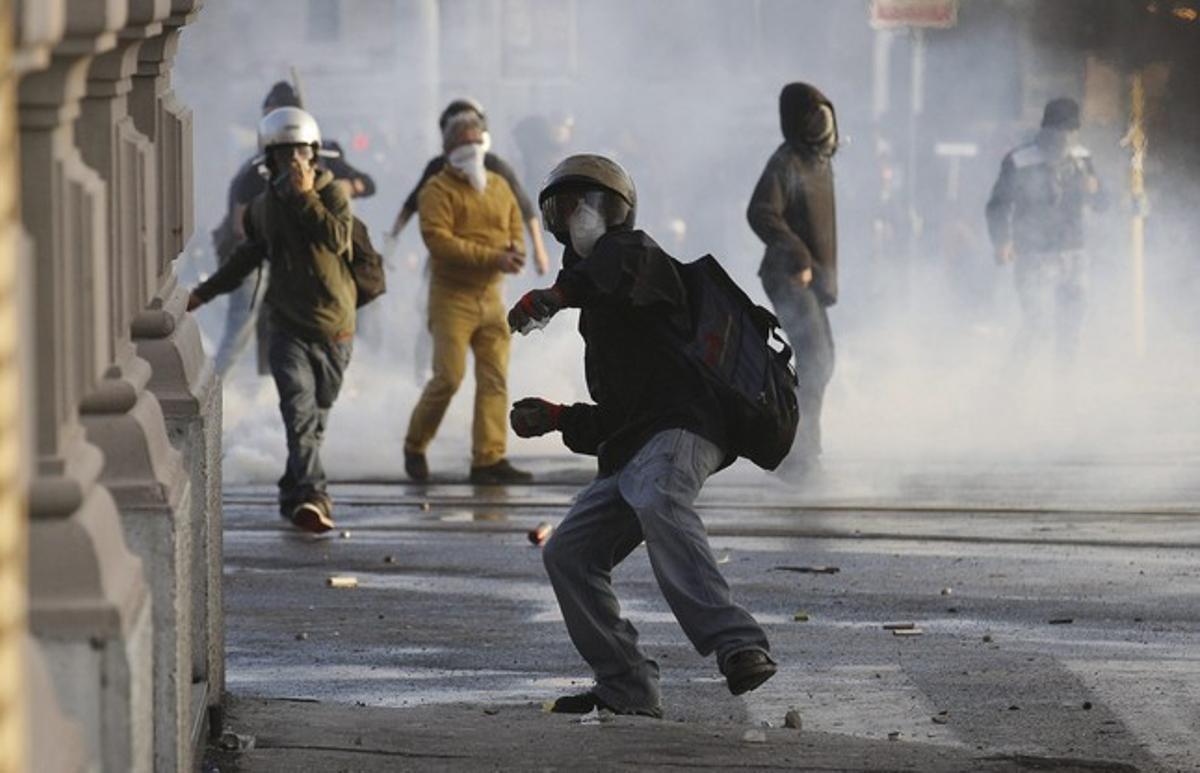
(1137, 226)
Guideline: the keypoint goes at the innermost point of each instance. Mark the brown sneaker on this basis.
(313, 516)
(746, 669)
(499, 474)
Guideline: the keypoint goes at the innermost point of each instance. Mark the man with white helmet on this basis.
(301, 225)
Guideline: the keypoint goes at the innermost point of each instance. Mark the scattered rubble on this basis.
(236, 742)
(540, 533)
(808, 569)
(792, 720)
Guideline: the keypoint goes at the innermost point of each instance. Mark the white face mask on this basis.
(585, 225)
(468, 159)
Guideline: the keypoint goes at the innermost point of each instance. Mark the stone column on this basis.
(123, 416)
(183, 378)
(89, 606)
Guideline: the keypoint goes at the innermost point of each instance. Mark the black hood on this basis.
(797, 103)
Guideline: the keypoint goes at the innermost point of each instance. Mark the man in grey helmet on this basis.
(792, 211)
(301, 225)
(658, 431)
(1035, 220)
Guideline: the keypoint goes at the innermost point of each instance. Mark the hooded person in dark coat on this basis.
(792, 211)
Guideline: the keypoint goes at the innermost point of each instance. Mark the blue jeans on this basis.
(308, 376)
(806, 324)
(649, 499)
(1052, 288)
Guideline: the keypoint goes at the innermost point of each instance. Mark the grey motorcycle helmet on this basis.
(582, 174)
(288, 126)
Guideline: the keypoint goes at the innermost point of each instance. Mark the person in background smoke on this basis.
(792, 211)
(492, 163)
(471, 224)
(658, 431)
(301, 225)
(241, 317)
(1035, 221)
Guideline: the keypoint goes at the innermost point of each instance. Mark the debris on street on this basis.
(236, 742)
(808, 569)
(540, 533)
(792, 720)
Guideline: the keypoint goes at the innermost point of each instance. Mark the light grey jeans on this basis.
(649, 499)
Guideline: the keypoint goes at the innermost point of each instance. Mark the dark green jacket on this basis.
(306, 239)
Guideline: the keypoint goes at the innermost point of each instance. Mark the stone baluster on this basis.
(89, 605)
(183, 378)
(124, 417)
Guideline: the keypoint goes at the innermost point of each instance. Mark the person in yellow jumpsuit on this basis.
(472, 226)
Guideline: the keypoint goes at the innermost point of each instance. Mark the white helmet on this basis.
(288, 126)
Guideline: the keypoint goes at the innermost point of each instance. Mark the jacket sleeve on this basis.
(344, 170)
(412, 202)
(325, 216)
(1098, 201)
(437, 229)
(767, 219)
(1001, 204)
(516, 227)
(622, 272)
(244, 259)
(501, 167)
(582, 428)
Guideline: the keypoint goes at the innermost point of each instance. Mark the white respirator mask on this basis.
(468, 159)
(586, 225)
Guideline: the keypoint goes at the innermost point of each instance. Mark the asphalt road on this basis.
(1057, 611)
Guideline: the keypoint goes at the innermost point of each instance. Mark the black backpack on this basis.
(366, 265)
(730, 343)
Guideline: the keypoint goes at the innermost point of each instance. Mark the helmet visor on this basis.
(558, 207)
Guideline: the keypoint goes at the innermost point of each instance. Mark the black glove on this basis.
(535, 305)
(533, 416)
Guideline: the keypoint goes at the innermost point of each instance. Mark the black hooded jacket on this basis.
(633, 304)
(792, 208)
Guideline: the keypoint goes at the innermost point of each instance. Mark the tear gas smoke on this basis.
(683, 94)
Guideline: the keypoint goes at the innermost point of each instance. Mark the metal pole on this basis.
(1137, 190)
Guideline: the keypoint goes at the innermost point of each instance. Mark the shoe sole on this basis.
(312, 519)
(752, 680)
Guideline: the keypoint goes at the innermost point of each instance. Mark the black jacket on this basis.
(792, 211)
(1038, 200)
(633, 306)
(792, 207)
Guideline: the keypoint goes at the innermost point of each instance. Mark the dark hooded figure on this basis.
(792, 211)
(1035, 220)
